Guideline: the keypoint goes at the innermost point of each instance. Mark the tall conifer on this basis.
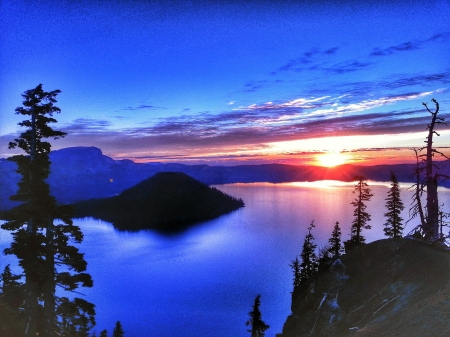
(309, 264)
(40, 245)
(394, 226)
(296, 270)
(118, 330)
(361, 216)
(258, 327)
(336, 248)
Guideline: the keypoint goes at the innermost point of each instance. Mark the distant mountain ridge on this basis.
(81, 173)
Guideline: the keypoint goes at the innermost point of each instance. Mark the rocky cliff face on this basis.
(392, 287)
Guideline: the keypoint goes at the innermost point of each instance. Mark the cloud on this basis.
(253, 86)
(347, 67)
(298, 64)
(141, 107)
(253, 127)
(357, 90)
(83, 124)
(409, 45)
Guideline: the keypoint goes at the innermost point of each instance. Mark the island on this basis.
(167, 201)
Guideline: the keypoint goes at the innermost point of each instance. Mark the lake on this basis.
(202, 282)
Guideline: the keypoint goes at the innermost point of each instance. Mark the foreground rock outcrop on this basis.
(391, 287)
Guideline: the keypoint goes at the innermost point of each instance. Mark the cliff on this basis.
(391, 287)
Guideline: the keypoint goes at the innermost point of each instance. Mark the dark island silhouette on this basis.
(167, 201)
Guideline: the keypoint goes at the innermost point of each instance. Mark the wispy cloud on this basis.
(141, 107)
(347, 67)
(358, 90)
(304, 62)
(81, 125)
(255, 126)
(409, 45)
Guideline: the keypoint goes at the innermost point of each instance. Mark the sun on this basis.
(331, 159)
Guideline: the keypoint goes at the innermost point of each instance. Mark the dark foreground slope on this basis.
(166, 201)
(386, 288)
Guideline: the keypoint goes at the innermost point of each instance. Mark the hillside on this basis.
(167, 201)
(391, 287)
(81, 173)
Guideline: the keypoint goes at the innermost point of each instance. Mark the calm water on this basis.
(203, 282)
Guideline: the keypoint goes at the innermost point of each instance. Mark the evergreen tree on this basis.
(394, 226)
(258, 327)
(118, 331)
(12, 289)
(325, 257)
(104, 333)
(296, 269)
(40, 245)
(361, 216)
(309, 264)
(11, 304)
(336, 248)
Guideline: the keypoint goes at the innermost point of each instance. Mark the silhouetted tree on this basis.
(258, 327)
(325, 257)
(361, 216)
(432, 176)
(296, 270)
(336, 248)
(39, 244)
(394, 226)
(11, 304)
(12, 289)
(309, 264)
(118, 331)
(104, 333)
(418, 188)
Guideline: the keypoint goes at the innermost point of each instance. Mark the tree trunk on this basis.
(432, 225)
(49, 285)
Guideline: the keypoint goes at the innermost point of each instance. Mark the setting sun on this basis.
(331, 159)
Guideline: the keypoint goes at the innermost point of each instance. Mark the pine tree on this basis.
(11, 304)
(40, 245)
(394, 226)
(325, 257)
(296, 269)
(336, 248)
(309, 264)
(361, 216)
(104, 333)
(258, 327)
(118, 331)
(12, 289)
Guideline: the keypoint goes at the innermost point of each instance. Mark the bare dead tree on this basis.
(418, 188)
(431, 224)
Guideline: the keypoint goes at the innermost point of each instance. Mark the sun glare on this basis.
(331, 159)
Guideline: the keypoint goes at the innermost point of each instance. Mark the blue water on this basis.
(203, 282)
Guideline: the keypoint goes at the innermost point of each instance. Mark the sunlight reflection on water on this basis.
(202, 282)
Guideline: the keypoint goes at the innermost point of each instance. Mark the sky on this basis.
(231, 82)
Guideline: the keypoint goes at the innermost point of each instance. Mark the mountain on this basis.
(81, 173)
(167, 201)
(391, 287)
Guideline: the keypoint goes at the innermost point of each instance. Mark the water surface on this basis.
(202, 282)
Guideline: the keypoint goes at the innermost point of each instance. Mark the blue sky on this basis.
(225, 82)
